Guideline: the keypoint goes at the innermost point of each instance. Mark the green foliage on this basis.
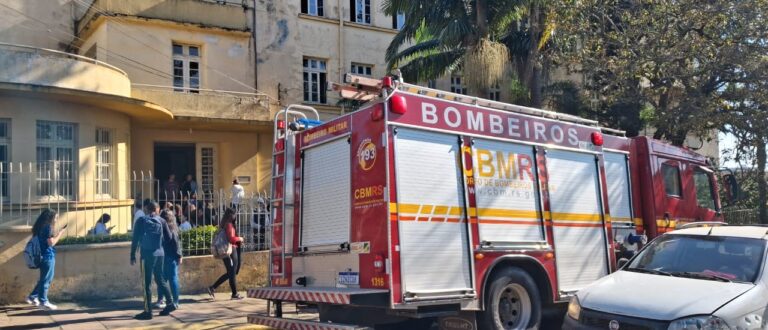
(94, 239)
(197, 241)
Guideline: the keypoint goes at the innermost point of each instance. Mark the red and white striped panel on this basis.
(307, 295)
(291, 324)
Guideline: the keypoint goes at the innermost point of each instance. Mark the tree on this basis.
(668, 58)
(479, 37)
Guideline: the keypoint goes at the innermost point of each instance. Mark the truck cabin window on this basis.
(671, 180)
(703, 183)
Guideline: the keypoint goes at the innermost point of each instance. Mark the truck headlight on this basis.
(699, 323)
(574, 308)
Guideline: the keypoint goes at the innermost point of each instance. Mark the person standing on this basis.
(231, 263)
(151, 233)
(173, 255)
(44, 231)
(171, 189)
(238, 193)
(139, 212)
(189, 186)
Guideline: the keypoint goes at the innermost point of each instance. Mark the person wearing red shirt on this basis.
(231, 263)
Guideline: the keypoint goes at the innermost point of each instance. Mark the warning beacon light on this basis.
(597, 138)
(398, 104)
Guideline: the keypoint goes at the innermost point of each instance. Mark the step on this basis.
(332, 295)
(294, 324)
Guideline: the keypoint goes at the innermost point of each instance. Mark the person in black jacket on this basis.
(173, 255)
(151, 233)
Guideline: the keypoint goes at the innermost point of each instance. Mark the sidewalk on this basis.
(196, 312)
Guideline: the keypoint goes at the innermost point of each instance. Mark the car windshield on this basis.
(704, 257)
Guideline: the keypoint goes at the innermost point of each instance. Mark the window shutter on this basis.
(304, 7)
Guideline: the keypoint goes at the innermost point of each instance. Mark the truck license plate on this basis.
(349, 278)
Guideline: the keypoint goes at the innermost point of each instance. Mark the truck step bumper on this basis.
(292, 324)
(328, 295)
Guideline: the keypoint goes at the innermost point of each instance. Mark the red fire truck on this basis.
(428, 204)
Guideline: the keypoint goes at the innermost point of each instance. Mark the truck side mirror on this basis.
(621, 263)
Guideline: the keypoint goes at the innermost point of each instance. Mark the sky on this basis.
(727, 141)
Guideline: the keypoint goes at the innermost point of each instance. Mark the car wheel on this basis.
(512, 302)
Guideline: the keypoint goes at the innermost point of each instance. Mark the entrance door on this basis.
(434, 245)
(176, 159)
(577, 216)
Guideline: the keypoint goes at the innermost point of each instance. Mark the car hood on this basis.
(658, 297)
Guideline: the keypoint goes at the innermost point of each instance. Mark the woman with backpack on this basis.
(231, 262)
(43, 231)
(173, 255)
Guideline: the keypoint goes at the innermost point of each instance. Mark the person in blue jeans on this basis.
(150, 234)
(173, 254)
(44, 231)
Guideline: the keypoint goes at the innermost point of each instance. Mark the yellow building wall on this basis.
(143, 48)
(238, 153)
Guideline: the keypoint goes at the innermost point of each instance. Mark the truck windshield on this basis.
(703, 257)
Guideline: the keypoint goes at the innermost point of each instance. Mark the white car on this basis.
(694, 278)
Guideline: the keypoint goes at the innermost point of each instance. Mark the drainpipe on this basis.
(341, 45)
(255, 51)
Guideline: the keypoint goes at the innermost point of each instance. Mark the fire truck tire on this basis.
(512, 301)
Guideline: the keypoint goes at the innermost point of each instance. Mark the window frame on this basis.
(187, 60)
(103, 187)
(360, 11)
(5, 141)
(494, 93)
(457, 86)
(59, 185)
(306, 7)
(309, 74)
(675, 166)
(358, 67)
(398, 21)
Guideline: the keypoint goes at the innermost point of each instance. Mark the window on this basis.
(314, 80)
(104, 163)
(398, 21)
(56, 143)
(361, 11)
(186, 68)
(456, 86)
(5, 155)
(312, 7)
(671, 176)
(432, 83)
(494, 93)
(207, 167)
(703, 189)
(362, 69)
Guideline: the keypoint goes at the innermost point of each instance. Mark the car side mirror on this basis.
(621, 263)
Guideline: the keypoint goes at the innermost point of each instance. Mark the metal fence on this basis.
(199, 214)
(740, 216)
(81, 200)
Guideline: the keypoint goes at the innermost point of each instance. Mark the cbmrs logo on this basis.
(501, 125)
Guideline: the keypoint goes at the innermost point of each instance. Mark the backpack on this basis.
(153, 234)
(32, 253)
(220, 246)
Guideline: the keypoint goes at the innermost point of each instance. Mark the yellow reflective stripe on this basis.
(425, 209)
(504, 213)
(576, 217)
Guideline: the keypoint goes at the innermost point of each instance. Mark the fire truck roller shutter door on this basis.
(508, 207)
(617, 177)
(434, 250)
(579, 235)
(325, 195)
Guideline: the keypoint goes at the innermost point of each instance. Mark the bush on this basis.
(197, 241)
(91, 239)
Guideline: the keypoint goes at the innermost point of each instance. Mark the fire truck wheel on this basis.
(511, 302)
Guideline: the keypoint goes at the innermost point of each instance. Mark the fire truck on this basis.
(426, 204)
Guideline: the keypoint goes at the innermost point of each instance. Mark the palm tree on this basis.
(478, 37)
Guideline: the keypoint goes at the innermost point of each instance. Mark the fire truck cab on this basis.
(428, 204)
